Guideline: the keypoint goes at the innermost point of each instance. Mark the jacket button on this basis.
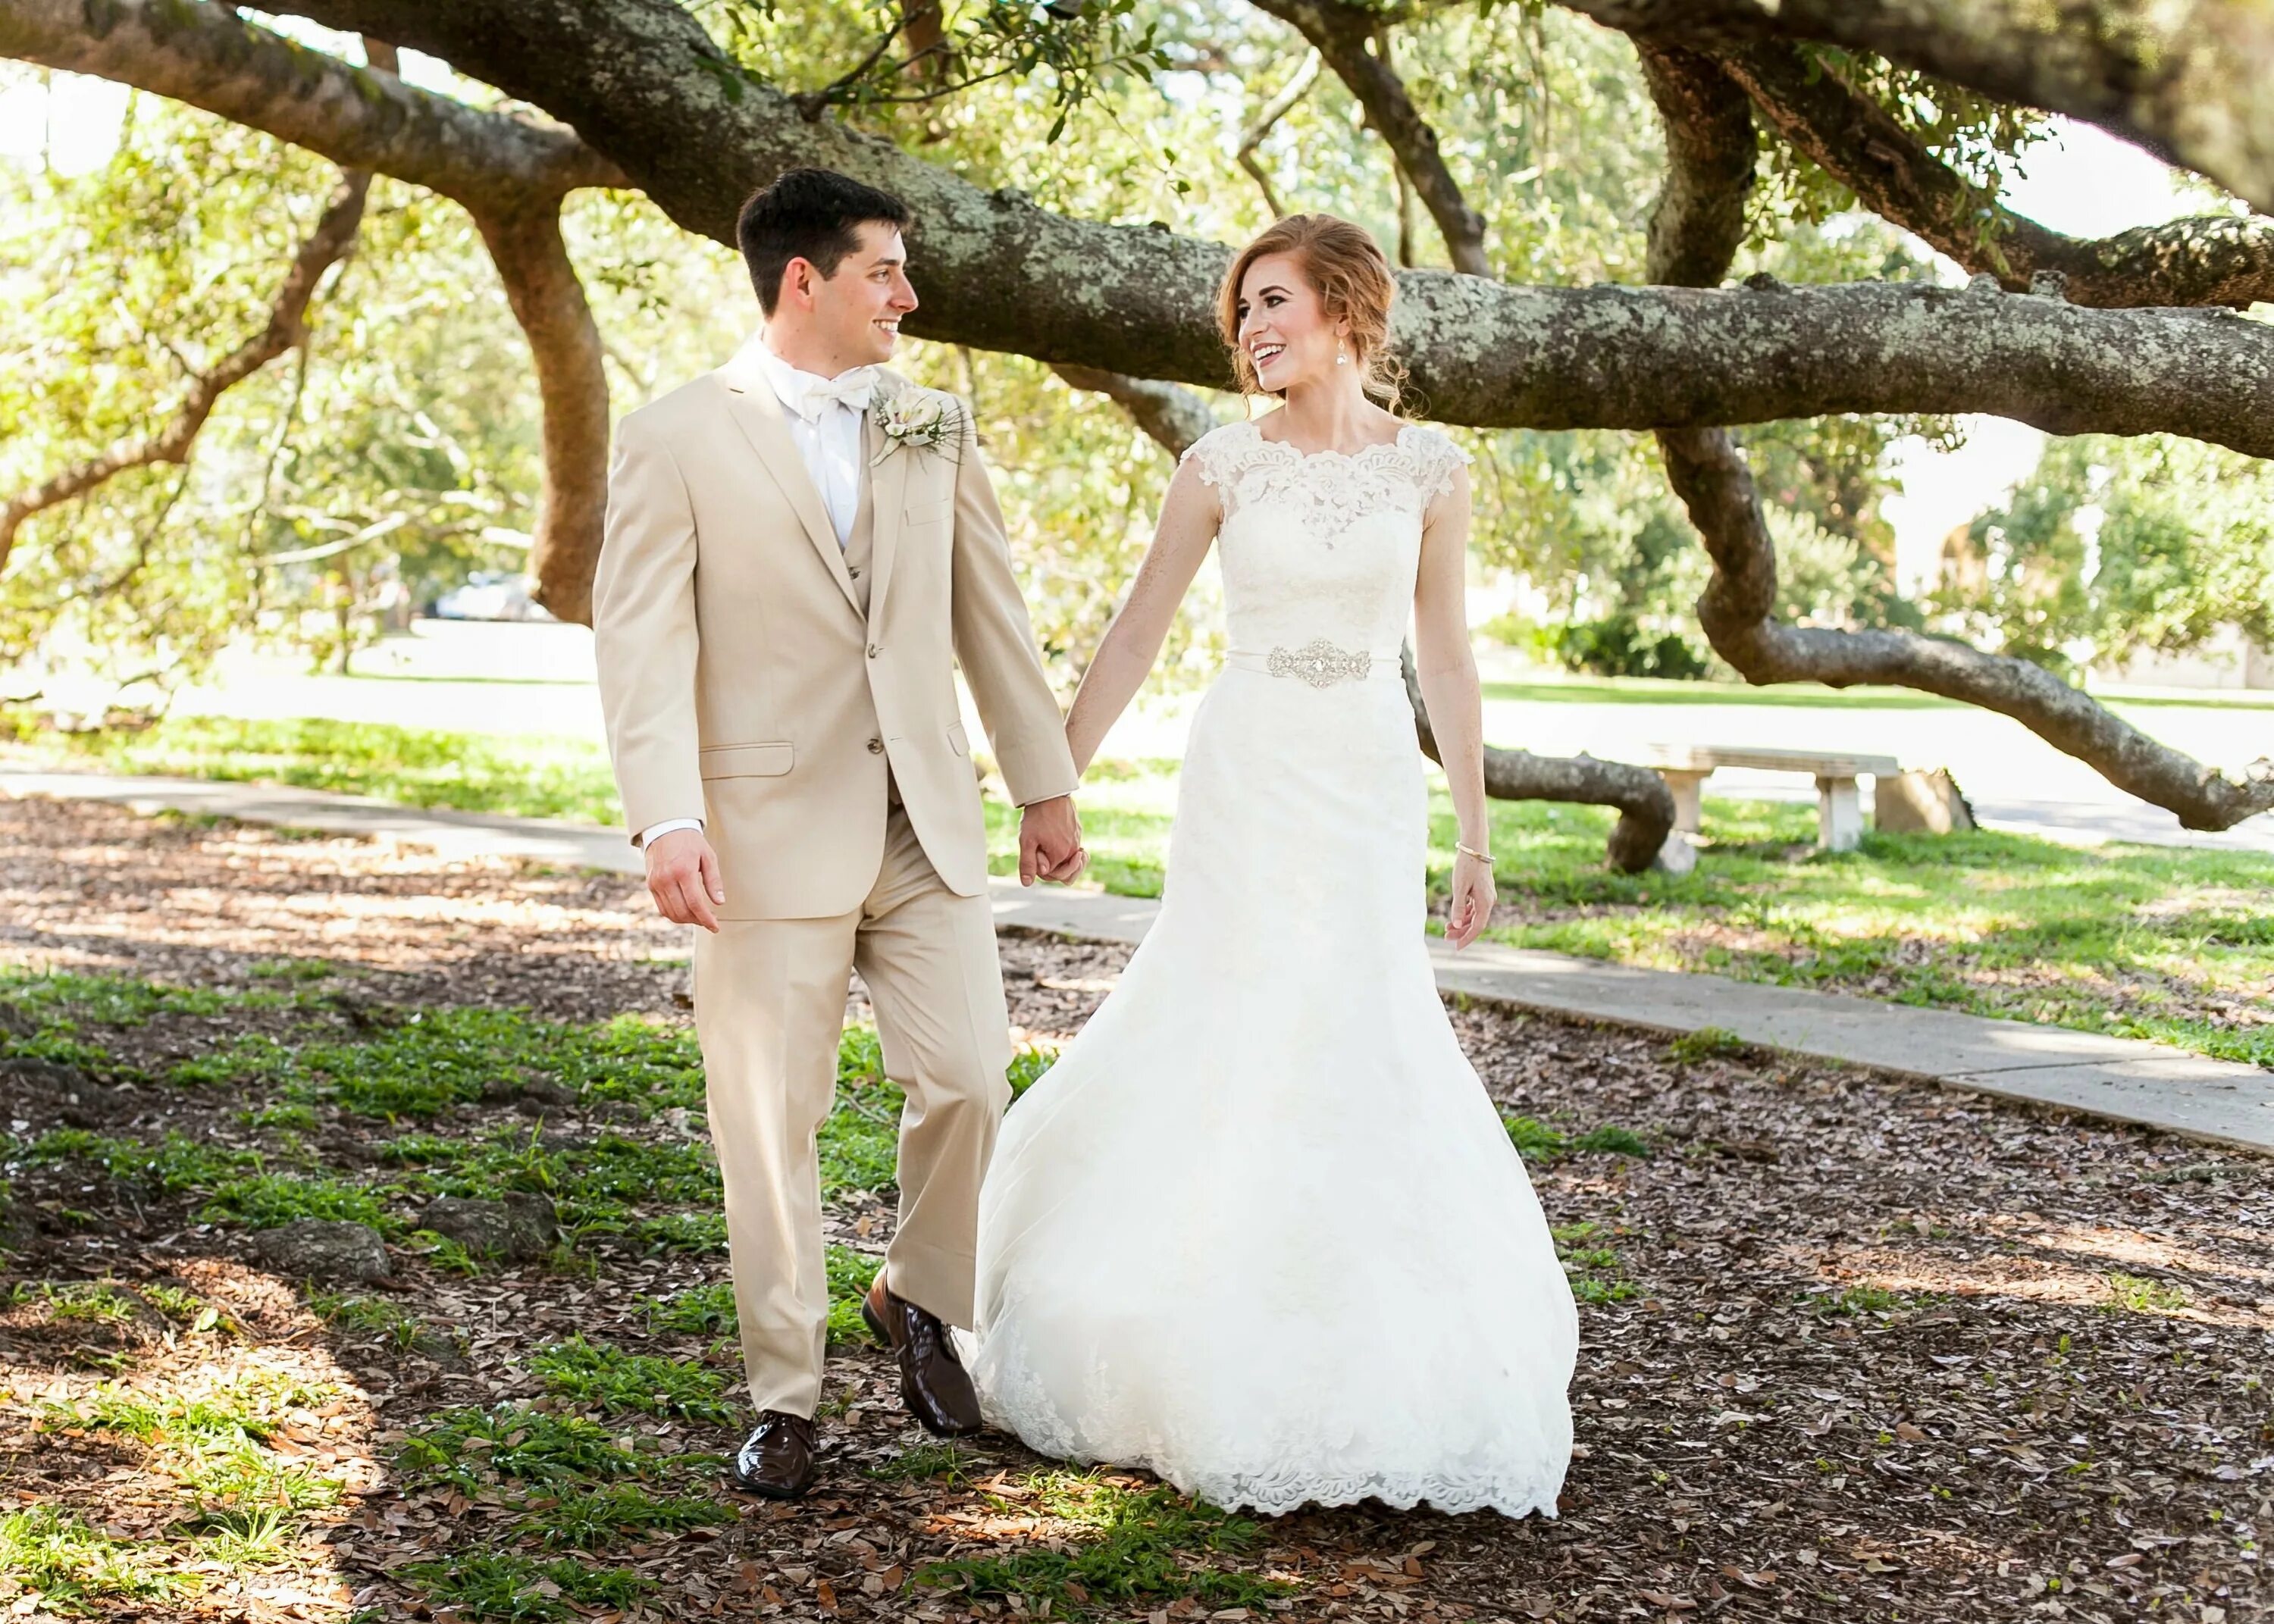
(876, 747)
(853, 570)
(875, 649)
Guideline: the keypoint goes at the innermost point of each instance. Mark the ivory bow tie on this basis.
(852, 388)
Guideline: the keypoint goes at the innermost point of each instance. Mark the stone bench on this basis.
(1839, 807)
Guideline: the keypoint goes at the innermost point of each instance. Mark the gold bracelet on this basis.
(1483, 857)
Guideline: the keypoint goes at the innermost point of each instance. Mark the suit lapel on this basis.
(758, 413)
(888, 474)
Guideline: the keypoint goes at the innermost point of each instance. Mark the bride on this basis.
(1259, 1229)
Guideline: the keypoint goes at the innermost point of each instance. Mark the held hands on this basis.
(1468, 908)
(682, 877)
(1050, 841)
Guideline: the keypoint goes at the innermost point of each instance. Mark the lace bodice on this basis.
(1323, 544)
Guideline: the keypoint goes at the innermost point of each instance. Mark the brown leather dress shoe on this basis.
(777, 1460)
(933, 1383)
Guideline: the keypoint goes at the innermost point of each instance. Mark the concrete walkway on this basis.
(2120, 1079)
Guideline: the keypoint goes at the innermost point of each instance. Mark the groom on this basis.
(802, 547)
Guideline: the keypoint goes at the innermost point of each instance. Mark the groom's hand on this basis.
(682, 877)
(1050, 841)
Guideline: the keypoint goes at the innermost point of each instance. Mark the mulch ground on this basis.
(1866, 1350)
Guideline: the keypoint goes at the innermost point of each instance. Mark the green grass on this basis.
(1130, 1552)
(579, 1489)
(2165, 943)
(433, 1058)
(71, 1567)
(595, 1375)
(2162, 943)
(1595, 1271)
(1864, 1299)
(245, 1500)
(532, 776)
(374, 1317)
(851, 1273)
(708, 1310)
(232, 1181)
(510, 1586)
(1707, 1043)
(925, 1461)
(98, 1301)
(1541, 1142)
(514, 1443)
(587, 1519)
(2131, 1294)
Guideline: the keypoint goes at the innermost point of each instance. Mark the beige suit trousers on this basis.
(769, 1006)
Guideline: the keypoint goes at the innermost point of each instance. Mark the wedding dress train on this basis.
(1259, 1229)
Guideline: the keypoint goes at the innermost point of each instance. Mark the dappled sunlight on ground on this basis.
(1850, 1346)
(183, 1439)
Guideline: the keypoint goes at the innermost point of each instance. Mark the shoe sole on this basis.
(767, 1492)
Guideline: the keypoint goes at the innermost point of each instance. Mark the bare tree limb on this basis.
(572, 382)
(326, 245)
(1737, 612)
(1698, 219)
(363, 118)
(510, 173)
(640, 80)
(1277, 109)
(1645, 804)
(2215, 260)
(2184, 78)
(1173, 416)
(1341, 34)
(1739, 609)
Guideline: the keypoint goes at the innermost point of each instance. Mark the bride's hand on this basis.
(1468, 908)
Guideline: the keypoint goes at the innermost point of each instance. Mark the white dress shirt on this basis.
(824, 425)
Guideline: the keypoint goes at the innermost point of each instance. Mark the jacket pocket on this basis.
(957, 737)
(745, 761)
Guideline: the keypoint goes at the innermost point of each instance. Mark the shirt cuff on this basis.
(665, 828)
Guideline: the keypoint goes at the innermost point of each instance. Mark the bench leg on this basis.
(1688, 797)
(1839, 814)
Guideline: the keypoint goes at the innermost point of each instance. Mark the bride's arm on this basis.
(1448, 669)
(1189, 514)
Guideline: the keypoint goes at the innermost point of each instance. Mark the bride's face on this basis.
(1283, 329)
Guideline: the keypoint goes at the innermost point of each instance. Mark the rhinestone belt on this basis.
(1319, 663)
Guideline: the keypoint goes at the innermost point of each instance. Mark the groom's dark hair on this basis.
(812, 214)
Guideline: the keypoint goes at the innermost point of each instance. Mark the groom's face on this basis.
(860, 308)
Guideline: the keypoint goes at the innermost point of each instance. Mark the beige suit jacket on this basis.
(748, 679)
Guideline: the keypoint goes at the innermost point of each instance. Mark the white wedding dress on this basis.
(1259, 1229)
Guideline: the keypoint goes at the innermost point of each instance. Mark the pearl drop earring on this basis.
(1341, 358)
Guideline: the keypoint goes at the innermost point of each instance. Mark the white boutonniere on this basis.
(921, 419)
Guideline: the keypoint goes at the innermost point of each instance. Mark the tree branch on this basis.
(326, 245)
(1645, 805)
(1739, 609)
(1171, 415)
(360, 119)
(1341, 33)
(2216, 259)
(641, 81)
(1698, 219)
(510, 173)
(572, 384)
(2184, 80)
(1277, 109)
(1737, 613)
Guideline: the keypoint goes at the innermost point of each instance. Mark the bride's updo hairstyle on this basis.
(1353, 280)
